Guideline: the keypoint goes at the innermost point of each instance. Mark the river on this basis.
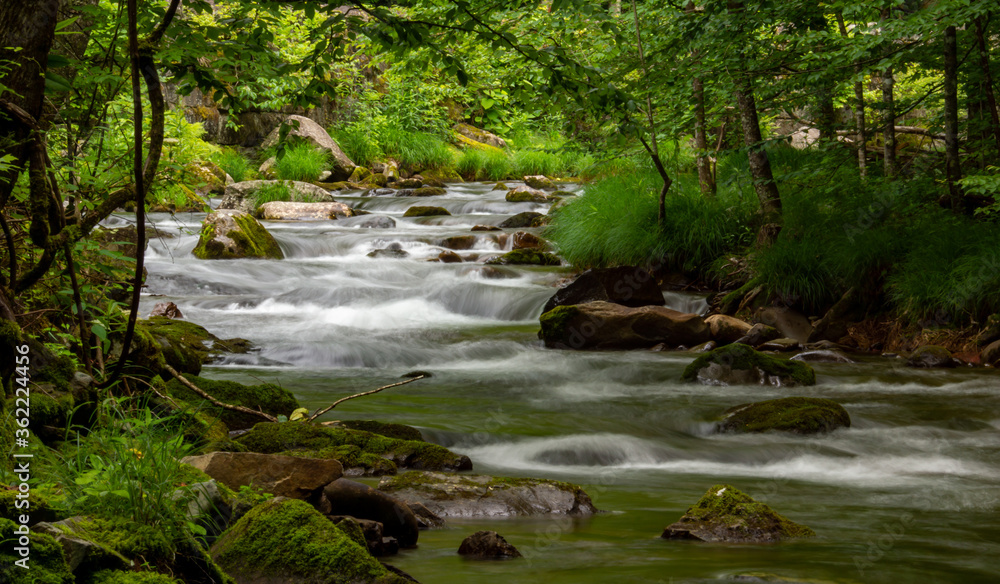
(910, 493)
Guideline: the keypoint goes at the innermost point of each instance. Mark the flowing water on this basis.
(910, 493)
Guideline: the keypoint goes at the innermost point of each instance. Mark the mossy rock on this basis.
(52, 411)
(799, 415)
(199, 426)
(182, 343)
(429, 192)
(39, 506)
(228, 234)
(286, 540)
(726, 514)
(267, 397)
(521, 220)
(398, 431)
(359, 175)
(190, 203)
(500, 187)
(441, 175)
(426, 212)
(737, 364)
(120, 577)
(358, 451)
(47, 561)
(525, 257)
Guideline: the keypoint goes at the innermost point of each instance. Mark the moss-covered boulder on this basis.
(426, 212)
(725, 514)
(287, 541)
(39, 505)
(522, 220)
(285, 476)
(398, 431)
(266, 397)
(462, 495)
(480, 136)
(45, 560)
(82, 556)
(228, 234)
(525, 194)
(609, 326)
(426, 191)
(129, 577)
(185, 345)
(525, 257)
(799, 415)
(739, 364)
(438, 176)
(931, 356)
(361, 453)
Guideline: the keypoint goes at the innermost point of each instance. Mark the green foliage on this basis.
(418, 150)
(127, 467)
(358, 143)
(302, 162)
(985, 185)
(233, 163)
(270, 192)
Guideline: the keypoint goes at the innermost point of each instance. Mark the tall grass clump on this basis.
(615, 222)
(533, 162)
(272, 192)
(302, 162)
(416, 149)
(359, 143)
(490, 164)
(233, 163)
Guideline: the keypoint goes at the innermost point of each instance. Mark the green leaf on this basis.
(487, 103)
(55, 83)
(299, 414)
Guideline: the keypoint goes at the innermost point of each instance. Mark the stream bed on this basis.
(909, 493)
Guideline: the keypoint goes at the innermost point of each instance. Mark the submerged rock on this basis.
(799, 415)
(285, 541)
(603, 325)
(738, 364)
(487, 545)
(626, 285)
(393, 250)
(725, 514)
(361, 453)
(377, 222)
(521, 220)
(452, 495)
(931, 356)
(525, 257)
(426, 212)
(232, 234)
(285, 476)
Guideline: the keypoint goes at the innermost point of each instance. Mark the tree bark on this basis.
(861, 131)
(952, 161)
(760, 166)
(987, 83)
(889, 133)
(705, 176)
(653, 148)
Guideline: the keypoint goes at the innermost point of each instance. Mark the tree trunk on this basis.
(861, 131)
(705, 176)
(987, 83)
(760, 166)
(889, 106)
(952, 162)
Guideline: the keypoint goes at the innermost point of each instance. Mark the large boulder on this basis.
(269, 398)
(481, 136)
(626, 285)
(186, 346)
(739, 364)
(603, 325)
(284, 476)
(790, 323)
(291, 211)
(346, 497)
(487, 545)
(341, 166)
(454, 495)
(242, 196)
(230, 234)
(727, 329)
(361, 453)
(931, 356)
(525, 257)
(725, 514)
(798, 415)
(991, 354)
(286, 541)
(540, 182)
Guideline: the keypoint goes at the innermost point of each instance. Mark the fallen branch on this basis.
(224, 405)
(343, 399)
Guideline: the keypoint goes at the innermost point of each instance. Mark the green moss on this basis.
(354, 448)
(288, 538)
(429, 192)
(801, 415)
(526, 197)
(40, 506)
(132, 540)
(250, 238)
(47, 561)
(525, 257)
(399, 431)
(119, 577)
(352, 529)
(743, 357)
(267, 397)
(555, 322)
(425, 212)
(727, 506)
(182, 343)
